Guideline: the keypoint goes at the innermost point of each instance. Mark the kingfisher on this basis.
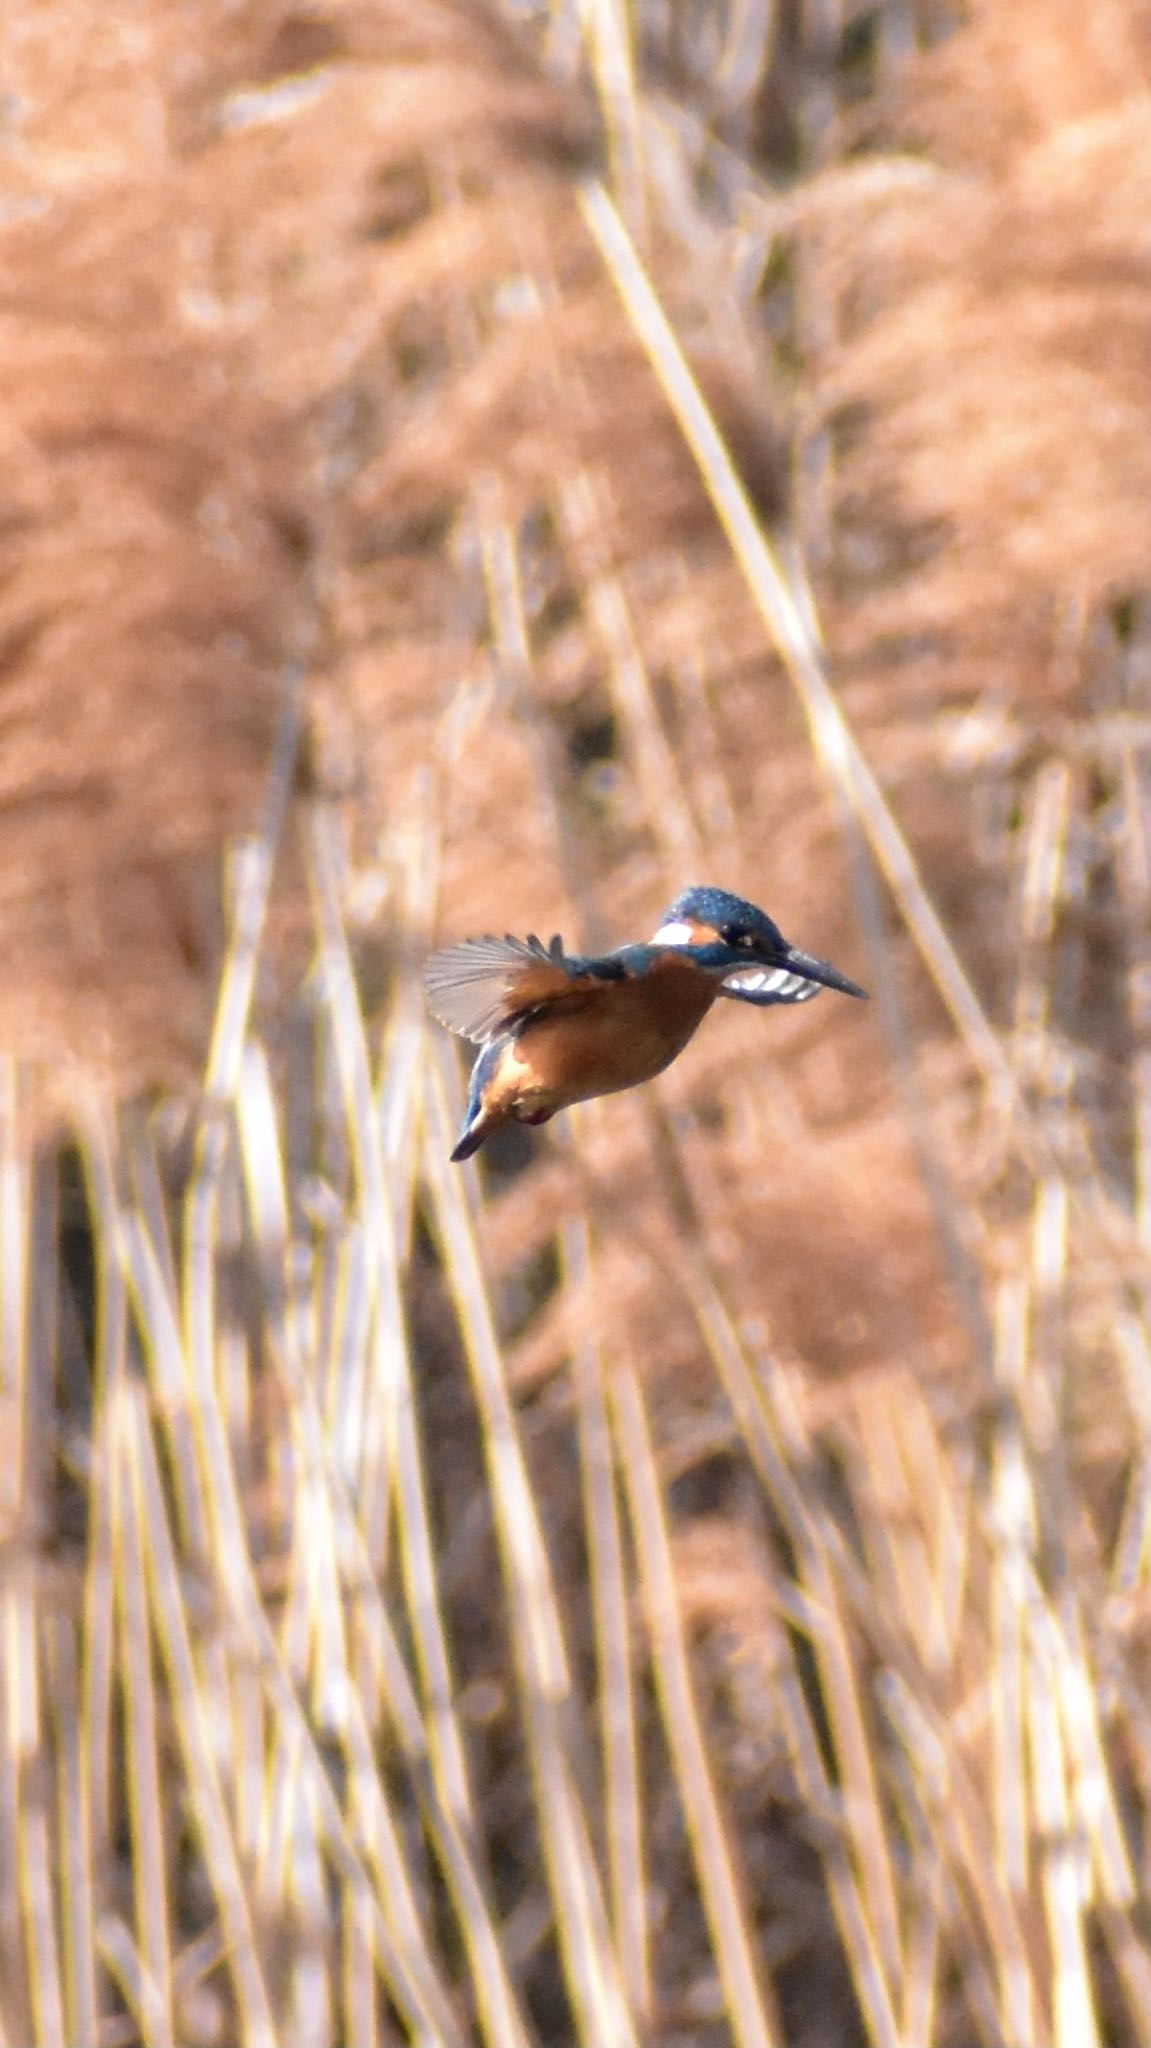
(556, 1028)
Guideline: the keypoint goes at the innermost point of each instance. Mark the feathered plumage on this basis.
(557, 1028)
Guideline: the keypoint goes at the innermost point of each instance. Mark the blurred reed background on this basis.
(686, 1582)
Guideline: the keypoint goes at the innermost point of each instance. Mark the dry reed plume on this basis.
(689, 1582)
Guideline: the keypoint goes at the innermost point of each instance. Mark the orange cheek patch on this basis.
(684, 931)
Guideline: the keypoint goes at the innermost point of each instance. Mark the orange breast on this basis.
(617, 1038)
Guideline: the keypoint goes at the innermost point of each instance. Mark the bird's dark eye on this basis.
(735, 937)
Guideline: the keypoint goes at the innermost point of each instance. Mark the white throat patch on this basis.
(673, 934)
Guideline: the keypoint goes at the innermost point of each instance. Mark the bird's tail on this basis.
(479, 1119)
(475, 1130)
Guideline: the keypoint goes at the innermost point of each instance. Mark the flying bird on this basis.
(556, 1028)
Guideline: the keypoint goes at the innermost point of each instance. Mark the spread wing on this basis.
(479, 986)
(765, 985)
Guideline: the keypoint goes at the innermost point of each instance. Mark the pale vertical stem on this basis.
(616, 1684)
(753, 2019)
(38, 1898)
(78, 1868)
(1013, 1523)
(333, 1549)
(1134, 869)
(195, 1734)
(390, 1382)
(763, 1423)
(147, 1806)
(98, 1644)
(596, 1990)
(21, 1861)
(407, 1961)
(1063, 1862)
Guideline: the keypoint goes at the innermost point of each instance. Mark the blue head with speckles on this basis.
(729, 937)
(732, 920)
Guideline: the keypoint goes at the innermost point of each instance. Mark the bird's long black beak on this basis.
(789, 976)
(823, 972)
